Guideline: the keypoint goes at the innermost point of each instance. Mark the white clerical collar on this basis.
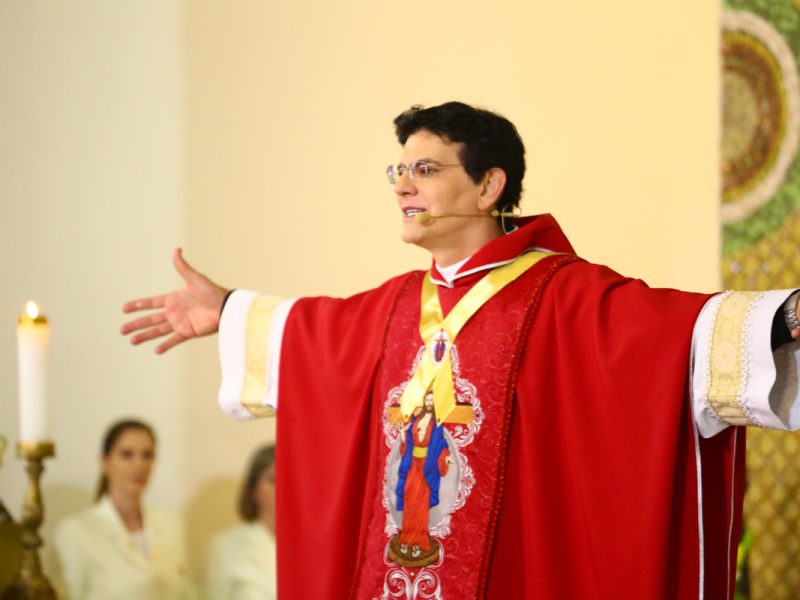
(449, 273)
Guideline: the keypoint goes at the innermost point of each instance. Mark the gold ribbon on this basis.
(438, 378)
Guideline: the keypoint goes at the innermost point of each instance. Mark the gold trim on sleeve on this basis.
(256, 373)
(727, 369)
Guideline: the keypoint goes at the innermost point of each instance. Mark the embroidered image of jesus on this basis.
(424, 460)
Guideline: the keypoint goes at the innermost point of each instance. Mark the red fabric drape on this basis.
(600, 492)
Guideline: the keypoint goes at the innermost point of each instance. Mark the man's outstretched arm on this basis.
(190, 312)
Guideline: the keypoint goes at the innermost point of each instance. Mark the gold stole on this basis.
(435, 371)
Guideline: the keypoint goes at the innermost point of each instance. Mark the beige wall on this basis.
(256, 134)
(290, 108)
(91, 199)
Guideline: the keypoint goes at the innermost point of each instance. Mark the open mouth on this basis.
(412, 210)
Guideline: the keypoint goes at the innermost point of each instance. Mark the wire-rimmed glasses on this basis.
(423, 168)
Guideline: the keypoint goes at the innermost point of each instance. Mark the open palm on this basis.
(192, 311)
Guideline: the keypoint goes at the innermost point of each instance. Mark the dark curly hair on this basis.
(489, 140)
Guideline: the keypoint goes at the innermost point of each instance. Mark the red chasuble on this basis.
(569, 468)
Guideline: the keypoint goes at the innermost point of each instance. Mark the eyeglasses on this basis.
(423, 168)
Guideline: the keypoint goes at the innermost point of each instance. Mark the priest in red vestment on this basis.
(585, 438)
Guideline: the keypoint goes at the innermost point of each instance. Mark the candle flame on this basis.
(31, 309)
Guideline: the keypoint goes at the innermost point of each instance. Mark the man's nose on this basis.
(404, 185)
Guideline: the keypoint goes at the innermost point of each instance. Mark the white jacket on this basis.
(241, 564)
(99, 560)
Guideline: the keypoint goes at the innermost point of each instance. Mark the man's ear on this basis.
(494, 182)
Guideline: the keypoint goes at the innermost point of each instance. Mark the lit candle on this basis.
(32, 337)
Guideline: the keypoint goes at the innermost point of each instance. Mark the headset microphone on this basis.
(425, 218)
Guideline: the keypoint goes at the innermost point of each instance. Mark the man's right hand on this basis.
(191, 312)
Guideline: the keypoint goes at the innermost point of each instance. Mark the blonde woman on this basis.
(241, 563)
(118, 549)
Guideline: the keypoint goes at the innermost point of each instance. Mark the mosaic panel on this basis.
(760, 211)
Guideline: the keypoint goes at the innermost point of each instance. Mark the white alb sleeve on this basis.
(736, 378)
(250, 336)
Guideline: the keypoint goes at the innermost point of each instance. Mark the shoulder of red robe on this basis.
(251, 332)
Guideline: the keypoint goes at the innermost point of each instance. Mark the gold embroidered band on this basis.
(256, 355)
(727, 369)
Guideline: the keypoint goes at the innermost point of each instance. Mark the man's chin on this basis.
(408, 235)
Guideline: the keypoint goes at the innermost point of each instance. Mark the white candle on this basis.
(32, 338)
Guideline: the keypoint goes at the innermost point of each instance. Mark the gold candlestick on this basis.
(31, 582)
(5, 516)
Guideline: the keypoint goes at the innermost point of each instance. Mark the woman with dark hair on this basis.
(118, 549)
(241, 563)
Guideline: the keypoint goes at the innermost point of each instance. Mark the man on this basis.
(561, 389)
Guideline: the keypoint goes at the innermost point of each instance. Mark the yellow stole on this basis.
(434, 373)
